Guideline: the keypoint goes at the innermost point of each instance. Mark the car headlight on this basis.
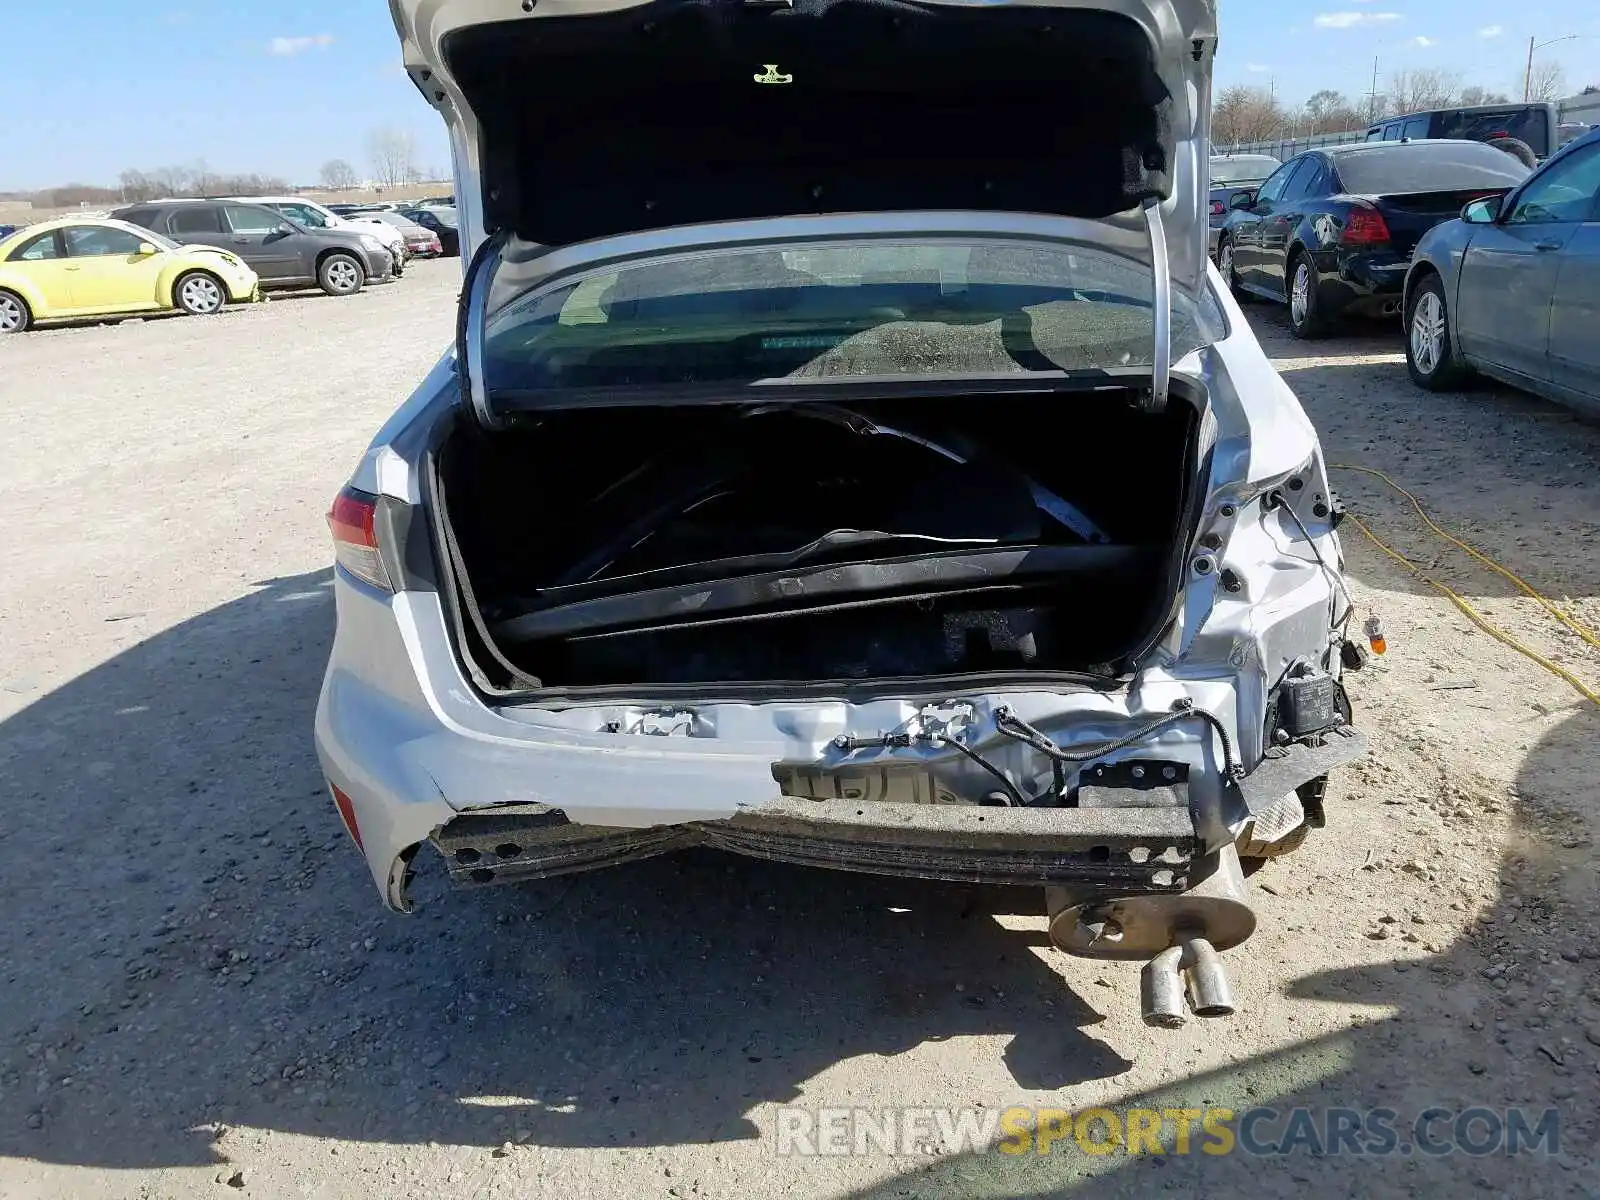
(372, 243)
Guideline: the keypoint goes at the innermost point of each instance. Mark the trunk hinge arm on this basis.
(469, 331)
(1155, 400)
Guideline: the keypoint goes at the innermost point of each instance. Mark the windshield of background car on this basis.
(445, 216)
(1425, 167)
(829, 310)
(1530, 124)
(1246, 168)
(303, 213)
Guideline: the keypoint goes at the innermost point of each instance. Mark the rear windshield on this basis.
(859, 309)
(1425, 167)
(1245, 168)
(1530, 124)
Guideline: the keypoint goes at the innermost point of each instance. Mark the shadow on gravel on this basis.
(1515, 476)
(191, 940)
(1456, 1040)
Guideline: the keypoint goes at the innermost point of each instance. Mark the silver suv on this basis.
(848, 458)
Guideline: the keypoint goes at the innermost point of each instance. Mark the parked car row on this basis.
(198, 255)
(1494, 267)
(431, 217)
(71, 268)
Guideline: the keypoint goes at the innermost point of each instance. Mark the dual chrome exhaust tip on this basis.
(1162, 991)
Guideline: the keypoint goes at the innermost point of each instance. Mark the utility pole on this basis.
(1372, 96)
(1527, 74)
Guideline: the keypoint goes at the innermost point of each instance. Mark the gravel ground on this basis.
(201, 993)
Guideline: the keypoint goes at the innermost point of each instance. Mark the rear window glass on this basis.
(824, 311)
(1531, 125)
(1420, 167)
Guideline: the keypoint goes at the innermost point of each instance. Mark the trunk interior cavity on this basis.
(857, 541)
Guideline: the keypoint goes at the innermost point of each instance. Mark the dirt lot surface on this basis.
(201, 993)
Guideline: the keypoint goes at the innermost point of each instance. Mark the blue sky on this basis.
(96, 86)
(1301, 47)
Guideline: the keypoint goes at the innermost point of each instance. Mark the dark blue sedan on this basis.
(1512, 288)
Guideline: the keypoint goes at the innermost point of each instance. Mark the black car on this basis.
(441, 221)
(1535, 125)
(281, 251)
(1331, 232)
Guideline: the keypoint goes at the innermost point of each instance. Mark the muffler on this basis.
(1181, 937)
(1215, 907)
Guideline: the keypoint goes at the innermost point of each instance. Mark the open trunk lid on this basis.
(578, 124)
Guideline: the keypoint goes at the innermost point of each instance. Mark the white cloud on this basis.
(287, 46)
(1349, 20)
(1491, 31)
(1257, 68)
(1424, 41)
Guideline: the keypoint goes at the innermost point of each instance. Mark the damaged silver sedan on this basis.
(848, 458)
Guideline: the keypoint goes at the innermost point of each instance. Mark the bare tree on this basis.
(172, 181)
(1546, 81)
(135, 186)
(1246, 114)
(1411, 91)
(1329, 111)
(1478, 95)
(202, 182)
(338, 174)
(393, 153)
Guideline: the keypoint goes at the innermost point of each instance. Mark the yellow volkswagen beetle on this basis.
(72, 268)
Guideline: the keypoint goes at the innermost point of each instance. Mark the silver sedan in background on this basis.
(1512, 288)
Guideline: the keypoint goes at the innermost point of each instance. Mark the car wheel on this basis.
(15, 316)
(1430, 356)
(341, 275)
(199, 294)
(1305, 318)
(1225, 266)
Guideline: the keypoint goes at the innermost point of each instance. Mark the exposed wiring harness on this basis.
(1472, 614)
(1014, 796)
(1013, 726)
(1275, 500)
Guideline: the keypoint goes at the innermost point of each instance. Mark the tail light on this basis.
(1364, 226)
(1216, 208)
(355, 542)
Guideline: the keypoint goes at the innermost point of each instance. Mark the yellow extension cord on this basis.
(1472, 614)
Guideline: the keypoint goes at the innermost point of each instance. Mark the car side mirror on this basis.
(1482, 212)
(145, 250)
(1241, 200)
